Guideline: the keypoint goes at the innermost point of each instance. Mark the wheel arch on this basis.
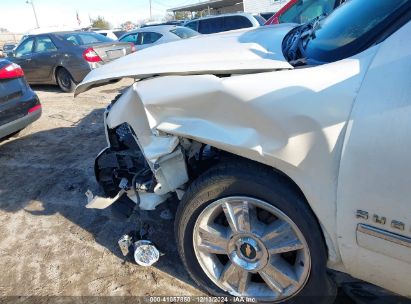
(284, 174)
(57, 68)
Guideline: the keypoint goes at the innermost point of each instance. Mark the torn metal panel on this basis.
(235, 52)
(164, 158)
(170, 172)
(129, 108)
(148, 201)
(97, 202)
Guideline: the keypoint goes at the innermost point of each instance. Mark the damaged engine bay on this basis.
(122, 170)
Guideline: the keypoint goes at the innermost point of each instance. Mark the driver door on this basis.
(44, 59)
(23, 56)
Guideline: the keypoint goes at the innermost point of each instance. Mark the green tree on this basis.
(101, 23)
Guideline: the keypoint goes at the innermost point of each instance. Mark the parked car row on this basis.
(286, 149)
(66, 58)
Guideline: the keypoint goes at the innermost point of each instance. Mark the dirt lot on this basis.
(50, 245)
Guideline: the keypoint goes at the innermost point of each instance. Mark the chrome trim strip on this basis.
(385, 235)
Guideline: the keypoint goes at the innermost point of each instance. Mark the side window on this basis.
(236, 22)
(25, 48)
(73, 39)
(150, 37)
(130, 38)
(193, 25)
(44, 44)
(211, 25)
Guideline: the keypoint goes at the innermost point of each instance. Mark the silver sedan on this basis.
(153, 35)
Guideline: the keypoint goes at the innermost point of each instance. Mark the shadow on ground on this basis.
(46, 88)
(54, 169)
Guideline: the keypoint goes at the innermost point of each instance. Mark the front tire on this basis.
(243, 230)
(65, 80)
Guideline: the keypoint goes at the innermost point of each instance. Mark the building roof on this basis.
(212, 4)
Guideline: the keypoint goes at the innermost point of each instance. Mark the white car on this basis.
(112, 34)
(288, 146)
(153, 35)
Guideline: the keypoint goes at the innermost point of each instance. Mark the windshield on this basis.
(351, 27)
(305, 10)
(84, 38)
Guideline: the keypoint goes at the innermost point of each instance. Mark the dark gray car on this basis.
(65, 58)
(8, 49)
(19, 105)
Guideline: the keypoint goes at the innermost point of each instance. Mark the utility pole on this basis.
(151, 13)
(34, 11)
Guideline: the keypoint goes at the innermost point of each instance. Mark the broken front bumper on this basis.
(142, 164)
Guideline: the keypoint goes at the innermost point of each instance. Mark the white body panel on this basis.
(375, 173)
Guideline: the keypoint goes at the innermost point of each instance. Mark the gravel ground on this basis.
(50, 245)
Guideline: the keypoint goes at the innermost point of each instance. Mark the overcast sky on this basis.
(17, 15)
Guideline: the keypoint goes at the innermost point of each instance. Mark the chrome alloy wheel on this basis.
(248, 247)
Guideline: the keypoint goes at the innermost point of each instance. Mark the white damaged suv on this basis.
(287, 146)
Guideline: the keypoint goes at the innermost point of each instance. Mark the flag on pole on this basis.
(78, 18)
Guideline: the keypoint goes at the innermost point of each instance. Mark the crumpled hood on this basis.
(236, 52)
